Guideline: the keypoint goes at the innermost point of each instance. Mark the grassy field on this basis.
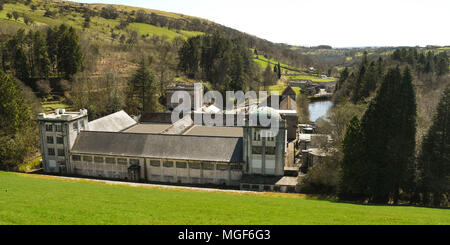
(281, 88)
(98, 24)
(31, 199)
(313, 78)
(144, 29)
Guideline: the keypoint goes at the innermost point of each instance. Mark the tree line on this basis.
(42, 54)
(387, 153)
(227, 64)
(424, 62)
(18, 129)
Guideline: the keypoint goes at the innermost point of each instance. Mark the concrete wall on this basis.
(59, 163)
(263, 163)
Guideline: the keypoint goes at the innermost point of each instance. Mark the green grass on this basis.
(280, 88)
(144, 29)
(262, 63)
(45, 200)
(51, 107)
(313, 78)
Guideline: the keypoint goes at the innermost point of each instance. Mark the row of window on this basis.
(194, 165)
(257, 136)
(58, 126)
(270, 150)
(154, 163)
(49, 127)
(51, 140)
(51, 152)
(111, 160)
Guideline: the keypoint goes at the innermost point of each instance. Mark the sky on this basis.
(339, 23)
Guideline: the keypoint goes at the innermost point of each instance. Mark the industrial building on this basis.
(155, 150)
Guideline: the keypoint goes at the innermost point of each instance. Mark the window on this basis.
(222, 167)
(122, 161)
(270, 150)
(134, 161)
(87, 159)
(236, 167)
(208, 180)
(50, 140)
(256, 135)
(181, 165)
(61, 152)
(82, 124)
(110, 160)
(76, 158)
(51, 151)
(75, 125)
(194, 165)
(208, 166)
(168, 178)
(256, 149)
(58, 127)
(168, 164)
(98, 159)
(48, 127)
(155, 163)
(59, 140)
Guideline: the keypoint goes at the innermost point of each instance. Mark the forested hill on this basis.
(118, 22)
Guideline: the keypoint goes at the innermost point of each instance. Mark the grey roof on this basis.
(216, 131)
(148, 128)
(112, 123)
(186, 147)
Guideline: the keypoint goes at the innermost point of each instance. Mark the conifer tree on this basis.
(388, 137)
(434, 157)
(141, 94)
(15, 122)
(69, 52)
(279, 71)
(342, 78)
(352, 184)
(40, 55)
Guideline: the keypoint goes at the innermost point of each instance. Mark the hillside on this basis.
(123, 20)
(32, 200)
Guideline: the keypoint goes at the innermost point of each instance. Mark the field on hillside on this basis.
(32, 200)
(98, 24)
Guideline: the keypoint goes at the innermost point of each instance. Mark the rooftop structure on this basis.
(112, 123)
(62, 115)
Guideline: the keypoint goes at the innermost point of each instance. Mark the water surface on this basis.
(318, 109)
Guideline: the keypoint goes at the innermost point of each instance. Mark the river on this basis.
(318, 109)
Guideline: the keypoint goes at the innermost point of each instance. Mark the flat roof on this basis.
(62, 115)
(215, 131)
(148, 128)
